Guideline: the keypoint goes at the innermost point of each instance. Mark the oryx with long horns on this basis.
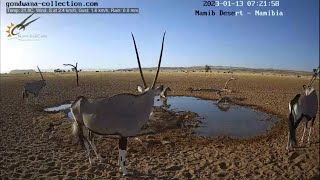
(303, 105)
(122, 114)
(33, 87)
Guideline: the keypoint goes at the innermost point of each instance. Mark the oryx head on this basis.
(145, 88)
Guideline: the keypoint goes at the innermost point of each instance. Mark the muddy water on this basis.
(62, 108)
(58, 108)
(222, 120)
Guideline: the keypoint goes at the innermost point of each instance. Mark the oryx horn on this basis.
(137, 54)
(155, 78)
(40, 73)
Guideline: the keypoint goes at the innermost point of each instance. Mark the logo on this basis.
(17, 31)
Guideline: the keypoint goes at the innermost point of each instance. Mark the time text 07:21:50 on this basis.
(242, 3)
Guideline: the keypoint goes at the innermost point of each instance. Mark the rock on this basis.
(197, 155)
(152, 142)
(300, 159)
(187, 175)
(27, 176)
(272, 157)
(52, 163)
(16, 175)
(203, 163)
(150, 137)
(72, 174)
(165, 142)
(223, 165)
(236, 173)
(32, 158)
(292, 156)
(40, 158)
(191, 171)
(222, 174)
(50, 127)
(173, 168)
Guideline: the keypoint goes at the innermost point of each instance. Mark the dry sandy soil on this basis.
(30, 149)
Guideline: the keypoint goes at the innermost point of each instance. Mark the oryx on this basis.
(122, 114)
(303, 105)
(164, 93)
(33, 87)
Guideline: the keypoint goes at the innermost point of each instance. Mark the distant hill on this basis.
(224, 68)
(22, 71)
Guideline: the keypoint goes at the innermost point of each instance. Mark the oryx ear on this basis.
(140, 89)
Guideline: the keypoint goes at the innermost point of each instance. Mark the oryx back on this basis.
(309, 102)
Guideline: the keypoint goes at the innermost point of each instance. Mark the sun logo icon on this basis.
(9, 29)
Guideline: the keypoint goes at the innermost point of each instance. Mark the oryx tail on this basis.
(291, 119)
(77, 126)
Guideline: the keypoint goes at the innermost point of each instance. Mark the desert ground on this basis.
(35, 144)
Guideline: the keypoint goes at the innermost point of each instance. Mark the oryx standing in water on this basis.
(122, 114)
(164, 97)
(164, 93)
(302, 106)
(33, 87)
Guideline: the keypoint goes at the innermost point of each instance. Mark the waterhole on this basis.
(217, 119)
(222, 119)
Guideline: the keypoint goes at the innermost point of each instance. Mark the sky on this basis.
(104, 40)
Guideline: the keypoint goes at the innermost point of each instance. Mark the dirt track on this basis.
(28, 150)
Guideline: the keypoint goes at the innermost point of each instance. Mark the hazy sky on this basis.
(104, 40)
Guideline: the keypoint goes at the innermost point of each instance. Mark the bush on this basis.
(207, 68)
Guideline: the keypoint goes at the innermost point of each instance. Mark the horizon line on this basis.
(165, 67)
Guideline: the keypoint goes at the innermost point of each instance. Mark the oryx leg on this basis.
(91, 141)
(88, 150)
(27, 100)
(27, 97)
(122, 155)
(36, 99)
(288, 145)
(304, 131)
(310, 129)
(309, 134)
